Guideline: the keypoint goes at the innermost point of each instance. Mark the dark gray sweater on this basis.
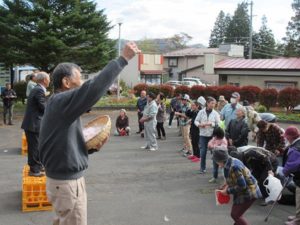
(62, 148)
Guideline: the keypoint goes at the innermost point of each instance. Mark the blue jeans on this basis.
(215, 170)
(203, 141)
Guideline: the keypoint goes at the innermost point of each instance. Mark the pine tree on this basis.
(238, 30)
(43, 33)
(292, 39)
(218, 33)
(264, 45)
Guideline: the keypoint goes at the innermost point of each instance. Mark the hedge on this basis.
(289, 98)
(182, 90)
(268, 97)
(250, 93)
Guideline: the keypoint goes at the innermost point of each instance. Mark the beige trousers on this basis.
(186, 137)
(69, 201)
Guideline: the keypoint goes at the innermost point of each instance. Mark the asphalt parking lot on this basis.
(129, 186)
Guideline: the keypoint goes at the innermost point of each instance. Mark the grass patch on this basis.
(113, 101)
(287, 117)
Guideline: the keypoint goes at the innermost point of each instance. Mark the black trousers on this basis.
(141, 125)
(172, 114)
(160, 129)
(33, 151)
(195, 142)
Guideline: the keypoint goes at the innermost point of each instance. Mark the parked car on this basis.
(195, 80)
(173, 83)
(188, 83)
(113, 89)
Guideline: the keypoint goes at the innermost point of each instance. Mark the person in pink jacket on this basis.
(217, 141)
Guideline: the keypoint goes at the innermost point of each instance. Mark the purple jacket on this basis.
(292, 163)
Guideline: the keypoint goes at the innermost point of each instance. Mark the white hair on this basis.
(40, 76)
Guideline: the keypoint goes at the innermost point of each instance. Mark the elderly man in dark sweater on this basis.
(62, 147)
(237, 130)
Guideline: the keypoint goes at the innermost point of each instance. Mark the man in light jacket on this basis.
(149, 120)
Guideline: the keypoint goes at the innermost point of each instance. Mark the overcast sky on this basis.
(164, 18)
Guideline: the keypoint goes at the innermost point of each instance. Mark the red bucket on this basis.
(221, 198)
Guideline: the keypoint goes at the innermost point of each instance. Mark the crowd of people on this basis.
(224, 129)
(56, 147)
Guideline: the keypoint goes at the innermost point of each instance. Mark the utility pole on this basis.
(251, 30)
(119, 54)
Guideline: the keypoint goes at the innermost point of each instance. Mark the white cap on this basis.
(186, 97)
(201, 100)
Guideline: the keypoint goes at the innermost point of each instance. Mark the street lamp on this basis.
(119, 54)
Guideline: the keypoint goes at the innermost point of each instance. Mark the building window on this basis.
(234, 84)
(146, 59)
(151, 78)
(279, 85)
(173, 62)
(157, 59)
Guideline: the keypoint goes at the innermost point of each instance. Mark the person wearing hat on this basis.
(237, 129)
(207, 119)
(184, 123)
(260, 161)
(149, 120)
(221, 103)
(228, 112)
(239, 182)
(291, 165)
(122, 124)
(201, 100)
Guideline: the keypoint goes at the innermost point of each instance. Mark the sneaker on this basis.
(158, 138)
(202, 171)
(145, 147)
(191, 157)
(142, 135)
(212, 180)
(163, 138)
(169, 127)
(152, 149)
(195, 160)
(138, 132)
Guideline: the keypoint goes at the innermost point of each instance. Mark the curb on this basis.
(288, 121)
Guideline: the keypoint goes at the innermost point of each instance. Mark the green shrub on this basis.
(20, 89)
(261, 109)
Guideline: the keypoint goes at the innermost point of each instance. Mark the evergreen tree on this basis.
(292, 39)
(218, 33)
(264, 46)
(238, 30)
(44, 33)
